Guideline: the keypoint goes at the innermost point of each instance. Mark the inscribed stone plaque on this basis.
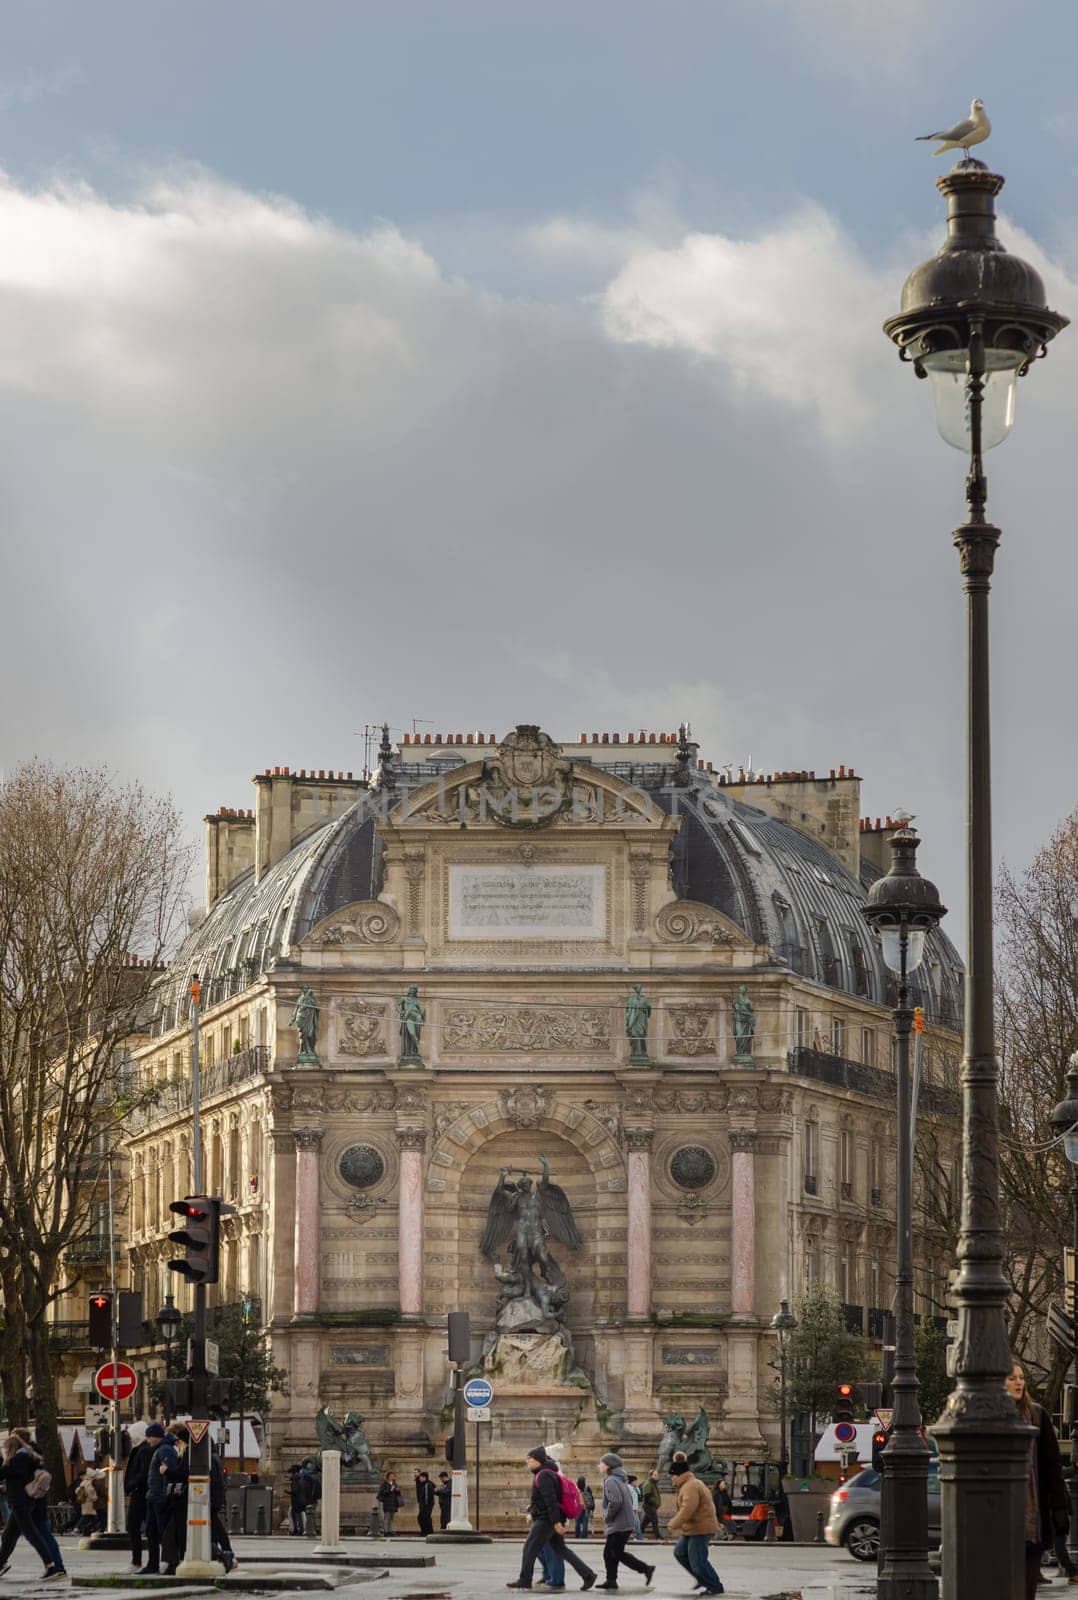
(494, 901)
(687, 1355)
(358, 1355)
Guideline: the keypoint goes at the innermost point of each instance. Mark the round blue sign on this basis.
(845, 1432)
(478, 1392)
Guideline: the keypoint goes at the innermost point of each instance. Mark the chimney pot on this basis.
(842, 771)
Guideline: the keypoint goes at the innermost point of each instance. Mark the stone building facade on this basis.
(523, 887)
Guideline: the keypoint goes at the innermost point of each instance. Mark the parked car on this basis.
(855, 1513)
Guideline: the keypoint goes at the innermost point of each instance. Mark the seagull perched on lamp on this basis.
(973, 129)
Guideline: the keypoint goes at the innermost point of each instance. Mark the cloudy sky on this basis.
(492, 362)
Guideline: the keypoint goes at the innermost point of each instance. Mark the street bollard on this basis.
(769, 1536)
(330, 1543)
(819, 1527)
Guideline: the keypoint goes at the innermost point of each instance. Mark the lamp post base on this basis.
(983, 1471)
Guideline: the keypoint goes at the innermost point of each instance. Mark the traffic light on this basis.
(844, 1402)
(879, 1444)
(199, 1236)
(870, 1395)
(100, 1319)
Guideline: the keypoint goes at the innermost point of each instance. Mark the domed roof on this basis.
(783, 887)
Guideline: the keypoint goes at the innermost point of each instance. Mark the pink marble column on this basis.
(743, 1244)
(308, 1248)
(410, 1238)
(639, 1219)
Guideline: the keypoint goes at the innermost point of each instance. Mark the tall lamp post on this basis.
(783, 1324)
(973, 320)
(1065, 1125)
(903, 908)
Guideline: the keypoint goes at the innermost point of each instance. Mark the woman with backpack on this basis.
(27, 1484)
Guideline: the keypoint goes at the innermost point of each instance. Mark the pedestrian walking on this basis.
(619, 1521)
(297, 1499)
(390, 1500)
(174, 1535)
(424, 1495)
(695, 1521)
(724, 1507)
(136, 1478)
(1046, 1493)
(220, 1543)
(548, 1521)
(20, 1465)
(583, 1522)
(444, 1496)
(650, 1501)
(86, 1499)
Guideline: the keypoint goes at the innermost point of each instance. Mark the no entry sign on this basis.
(115, 1381)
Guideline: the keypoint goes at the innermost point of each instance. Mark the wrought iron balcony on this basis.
(842, 1073)
(174, 1097)
(94, 1247)
(69, 1335)
(854, 1318)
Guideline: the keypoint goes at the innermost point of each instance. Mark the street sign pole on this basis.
(116, 1472)
(477, 1477)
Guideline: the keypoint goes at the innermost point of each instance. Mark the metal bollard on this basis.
(260, 1523)
(819, 1527)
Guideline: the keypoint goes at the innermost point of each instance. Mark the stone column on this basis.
(743, 1220)
(411, 1142)
(639, 1221)
(308, 1248)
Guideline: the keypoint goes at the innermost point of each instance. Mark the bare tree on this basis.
(1037, 1009)
(89, 873)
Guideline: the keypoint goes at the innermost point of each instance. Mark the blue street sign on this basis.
(478, 1392)
(845, 1432)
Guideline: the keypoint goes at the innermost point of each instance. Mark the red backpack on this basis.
(569, 1498)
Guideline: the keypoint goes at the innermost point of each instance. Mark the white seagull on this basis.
(971, 130)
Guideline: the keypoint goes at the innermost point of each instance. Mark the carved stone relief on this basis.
(361, 1028)
(524, 1028)
(690, 922)
(525, 1107)
(368, 922)
(692, 1029)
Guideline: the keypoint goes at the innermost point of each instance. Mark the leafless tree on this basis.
(90, 872)
(1037, 1010)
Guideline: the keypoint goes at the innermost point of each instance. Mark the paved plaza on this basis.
(465, 1572)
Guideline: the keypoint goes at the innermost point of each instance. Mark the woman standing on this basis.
(1046, 1494)
(390, 1499)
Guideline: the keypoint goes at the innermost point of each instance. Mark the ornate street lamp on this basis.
(903, 908)
(168, 1321)
(1065, 1126)
(783, 1324)
(974, 320)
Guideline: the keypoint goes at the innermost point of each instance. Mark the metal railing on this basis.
(68, 1335)
(174, 1097)
(93, 1247)
(842, 1073)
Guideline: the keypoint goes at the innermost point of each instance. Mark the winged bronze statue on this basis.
(525, 1214)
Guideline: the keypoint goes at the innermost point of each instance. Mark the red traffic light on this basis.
(879, 1438)
(846, 1390)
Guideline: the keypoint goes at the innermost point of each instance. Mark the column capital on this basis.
(639, 1138)
(308, 1138)
(412, 1138)
(742, 1140)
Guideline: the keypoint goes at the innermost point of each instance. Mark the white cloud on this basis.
(266, 479)
(34, 86)
(793, 315)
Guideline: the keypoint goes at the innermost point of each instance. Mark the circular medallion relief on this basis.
(692, 1167)
(361, 1166)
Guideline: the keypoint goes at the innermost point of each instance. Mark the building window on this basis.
(860, 970)
(812, 1150)
(838, 1036)
(874, 1285)
(868, 1046)
(849, 1285)
(801, 1027)
(875, 1180)
(845, 1149)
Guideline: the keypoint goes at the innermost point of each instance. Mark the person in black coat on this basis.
(424, 1495)
(136, 1477)
(444, 1493)
(18, 1467)
(547, 1523)
(390, 1499)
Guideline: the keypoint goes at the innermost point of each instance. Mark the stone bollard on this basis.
(330, 1543)
(819, 1527)
(769, 1536)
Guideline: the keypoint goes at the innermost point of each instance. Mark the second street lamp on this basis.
(974, 319)
(903, 908)
(1065, 1125)
(783, 1324)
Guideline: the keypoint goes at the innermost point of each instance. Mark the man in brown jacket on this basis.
(695, 1521)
